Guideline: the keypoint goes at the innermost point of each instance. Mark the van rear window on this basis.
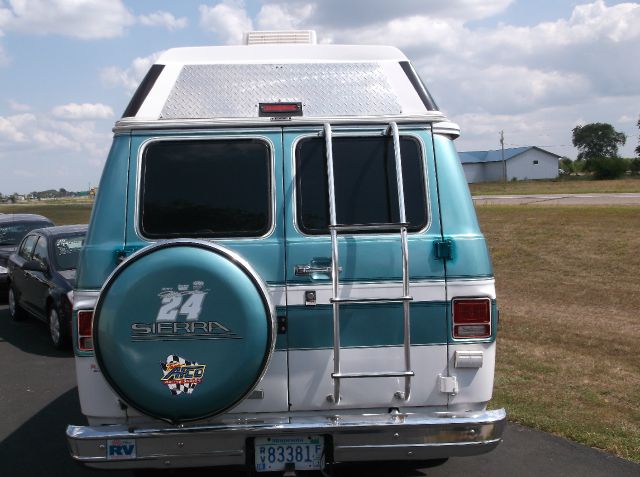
(365, 183)
(206, 188)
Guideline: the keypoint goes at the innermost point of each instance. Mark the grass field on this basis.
(559, 186)
(569, 294)
(59, 212)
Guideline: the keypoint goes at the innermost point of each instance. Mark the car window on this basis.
(66, 251)
(40, 252)
(365, 183)
(27, 247)
(12, 233)
(206, 188)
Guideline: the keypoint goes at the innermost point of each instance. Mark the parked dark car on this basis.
(42, 275)
(13, 228)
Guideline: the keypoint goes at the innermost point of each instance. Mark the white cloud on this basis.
(284, 17)
(341, 14)
(86, 19)
(163, 19)
(129, 77)
(625, 118)
(13, 128)
(83, 111)
(229, 20)
(19, 107)
(33, 131)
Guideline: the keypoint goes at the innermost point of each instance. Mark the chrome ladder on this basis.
(337, 300)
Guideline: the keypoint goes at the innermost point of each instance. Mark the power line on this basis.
(546, 145)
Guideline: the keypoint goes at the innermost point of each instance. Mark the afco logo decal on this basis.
(178, 317)
(180, 375)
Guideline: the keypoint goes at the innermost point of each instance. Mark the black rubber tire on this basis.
(16, 313)
(58, 328)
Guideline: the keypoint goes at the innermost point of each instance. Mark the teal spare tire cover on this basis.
(183, 330)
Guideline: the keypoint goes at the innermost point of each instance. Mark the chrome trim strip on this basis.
(131, 124)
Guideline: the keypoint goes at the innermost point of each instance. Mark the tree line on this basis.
(45, 194)
(598, 145)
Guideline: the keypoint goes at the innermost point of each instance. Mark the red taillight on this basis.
(280, 109)
(85, 330)
(471, 318)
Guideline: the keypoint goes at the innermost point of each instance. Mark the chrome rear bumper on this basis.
(348, 438)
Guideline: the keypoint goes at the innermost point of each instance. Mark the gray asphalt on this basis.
(38, 398)
(629, 198)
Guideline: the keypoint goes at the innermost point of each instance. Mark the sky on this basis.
(534, 69)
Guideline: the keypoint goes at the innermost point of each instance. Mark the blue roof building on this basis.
(520, 163)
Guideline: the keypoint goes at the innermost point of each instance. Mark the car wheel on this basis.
(15, 311)
(58, 330)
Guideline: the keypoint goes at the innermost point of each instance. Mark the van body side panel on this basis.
(105, 235)
(371, 335)
(469, 274)
(470, 257)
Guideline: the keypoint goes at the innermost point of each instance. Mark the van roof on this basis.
(226, 85)
(284, 53)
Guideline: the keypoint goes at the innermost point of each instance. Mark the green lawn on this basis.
(569, 295)
(572, 185)
(59, 212)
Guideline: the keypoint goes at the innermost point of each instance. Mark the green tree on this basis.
(608, 167)
(566, 165)
(598, 145)
(597, 140)
(638, 146)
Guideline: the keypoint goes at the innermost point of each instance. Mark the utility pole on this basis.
(504, 164)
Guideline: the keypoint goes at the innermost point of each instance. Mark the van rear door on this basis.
(223, 186)
(371, 335)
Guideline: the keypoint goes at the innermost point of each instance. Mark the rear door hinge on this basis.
(124, 252)
(282, 325)
(448, 384)
(443, 249)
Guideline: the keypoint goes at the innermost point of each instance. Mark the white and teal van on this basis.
(283, 269)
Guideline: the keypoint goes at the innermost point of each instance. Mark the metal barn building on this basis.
(521, 163)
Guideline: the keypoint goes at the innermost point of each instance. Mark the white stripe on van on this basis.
(432, 290)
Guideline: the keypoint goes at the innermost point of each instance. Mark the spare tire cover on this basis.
(183, 330)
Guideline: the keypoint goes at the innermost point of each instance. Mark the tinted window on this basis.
(40, 252)
(27, 247)
(12, 233)
(206, 189)
(66, 251)
(365, 183)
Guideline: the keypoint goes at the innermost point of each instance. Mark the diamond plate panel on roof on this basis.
(325, 89)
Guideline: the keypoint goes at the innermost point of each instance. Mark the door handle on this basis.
(310, 270)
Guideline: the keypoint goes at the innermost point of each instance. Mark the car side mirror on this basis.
(34, 266)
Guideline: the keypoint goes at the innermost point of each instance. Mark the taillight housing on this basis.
(85, 330)
(471, 318)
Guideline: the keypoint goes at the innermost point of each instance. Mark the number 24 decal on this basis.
(173, 305)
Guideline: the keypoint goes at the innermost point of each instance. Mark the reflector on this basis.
(280, 109)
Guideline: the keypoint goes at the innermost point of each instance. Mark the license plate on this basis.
(273, 453)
